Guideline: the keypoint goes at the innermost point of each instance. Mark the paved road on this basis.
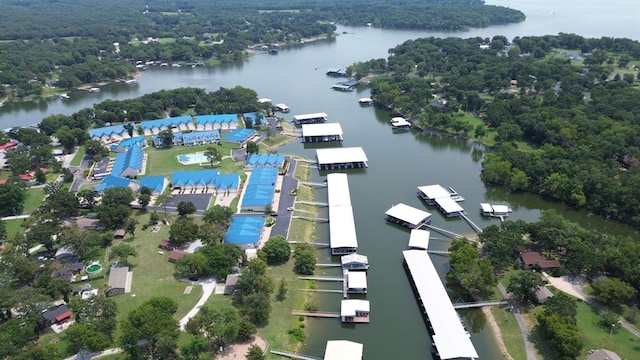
(16, 217)
(281, 227)
(208, 287)
(528, 347)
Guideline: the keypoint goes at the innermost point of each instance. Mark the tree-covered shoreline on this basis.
(575, 108)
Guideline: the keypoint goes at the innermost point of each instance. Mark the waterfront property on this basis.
(450, 340)
(204, 181)
(355, 311)
(343, 350)
(112, 181)
(264, 160)
(419, 239)
(342, 228)
(321, 132)
(535, 260)
(354, 261)
(356, 282)
(245, 231)
(341, 158)
(449, 207)
(408, 216)
(217, 122)
(153, 127)
(310, 118)
(190, 139)
(346, 85)
(495, 210)
(429, 193)
(399, 123)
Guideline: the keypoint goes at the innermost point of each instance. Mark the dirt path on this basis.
(239, 351)
(496, 332)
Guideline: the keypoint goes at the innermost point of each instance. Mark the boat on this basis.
(455, 196)
(94, 90)
(131, 81)
(64, 96)
(283, 108)
(365, 101)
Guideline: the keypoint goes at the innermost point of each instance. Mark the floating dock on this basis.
(408, 216)
(400, 124)
(314, 118)
(321, 132)
(499, 211)
(283, 108)
(341, 158)
(342, 228)
(365, 101)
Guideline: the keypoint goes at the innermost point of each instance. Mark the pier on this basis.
(439, 252)
(480, 304)
(475, 227)
(318, 245)
(323, 290)
(308, 183)
(310, 218)
(313, 203)
(328, 265)
(445, 232)
(293, 356)
(320, 314)
(322, 278)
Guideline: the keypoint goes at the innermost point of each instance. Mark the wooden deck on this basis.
(320, 314)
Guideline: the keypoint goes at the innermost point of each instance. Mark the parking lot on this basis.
(201, 201)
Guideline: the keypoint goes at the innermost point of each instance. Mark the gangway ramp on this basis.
(322, 278)
(320, 314)
(309, 183)
(439, 252)
(314, 203)
(444, 232)
(475, 227)
(479, 304)
(318, 245)
(293, 356)
(310, 218)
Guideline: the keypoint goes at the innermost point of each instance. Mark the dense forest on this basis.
(73, 41)
(580, 118)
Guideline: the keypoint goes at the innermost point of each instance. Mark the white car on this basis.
(290, 208)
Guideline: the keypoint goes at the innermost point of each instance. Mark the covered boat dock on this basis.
(342, 228)
(449, 207)
(341, 158)
(310, 118)
(450, 340)
(408, 216)
(429, 193)
(321, 132)
(419, 239)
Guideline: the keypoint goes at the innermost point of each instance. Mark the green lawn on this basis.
(33, 200)
(14, 227)
(165, 161)
(595, 336)
(77, 158)
(511, 334)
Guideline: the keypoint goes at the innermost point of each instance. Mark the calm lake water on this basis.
(398, 163)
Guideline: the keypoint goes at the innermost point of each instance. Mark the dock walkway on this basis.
(318, 245)
(475, 227)
(479, 304)
(310, 218)
(320, 314)
(293, 356)
(314, 203)
(444, 232)
(308, 183)
(322, 278)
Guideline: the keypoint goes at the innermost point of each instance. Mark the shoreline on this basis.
(497, 333)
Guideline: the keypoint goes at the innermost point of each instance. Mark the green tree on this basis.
(523, 286)
(144, 200)
(12, 198)
(252, 148)
(220, 324)
(193, 265)
(98, 312)
(186, 208)
(95, 147)
(166, 136)
(473, 273)
(122, 252)
(130, 226)
(255, 353)
(282, 290)
(612, 292)
(305, 259)
(3, 230)
(115, 207)
(87, 198)
(256, 307)
(218, 214)
(563, 305)
(150, 331)
(183, 230)
(81, 338)
(222, 258)
(213, 155)
(277, 250)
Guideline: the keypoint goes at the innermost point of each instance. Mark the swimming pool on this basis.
(195, 158)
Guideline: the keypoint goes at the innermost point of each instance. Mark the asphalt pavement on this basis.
(283, 220)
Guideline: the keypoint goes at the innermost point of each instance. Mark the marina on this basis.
(448, 207)
(407, 216)
(341, 158)
(429, 193)
(310, 118)
(346, 85)
(283, 108)
(342, 229)
(334, 350)
(419, 239)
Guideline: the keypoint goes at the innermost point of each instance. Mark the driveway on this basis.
(208, 286)
(281, 227)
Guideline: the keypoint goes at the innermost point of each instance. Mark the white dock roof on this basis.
(449, 205)
(341, 155)
(500, 209)
(343, 350)
(408, 214)
(399, 122)
(342, 228)
(450, 337)
(486, 207)
(338, 189)
(350, 306)
(357, 280)
(354, 258)
(324, 129)
(310, 116)
(419, 239)
(434, 191)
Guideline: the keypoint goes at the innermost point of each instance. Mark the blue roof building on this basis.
(191, 139)
(245, 231)
(156, 184)
(155, 126)
(107, 132)
(263, 176)
(265, 160)
(219, 121)
(205, 180)
(239, 136)
(126, 144)
(129, 164)
(111, 181)
(259, 192)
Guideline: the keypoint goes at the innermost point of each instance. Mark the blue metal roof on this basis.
(216, 119)
(194, 177)
(155, 183)
(245, 230)
(195, 137)
(239, 135)
(265, 159)
(130, 160)
(263, 176)
(106, 131)
(258, 195)
(227, 181)
(166, 122)
(111, 181)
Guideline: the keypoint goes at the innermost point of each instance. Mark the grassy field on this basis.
(595, 336)
(165, 161)
(511, 334)
(33, 200)
(14, 227)
(77, 158)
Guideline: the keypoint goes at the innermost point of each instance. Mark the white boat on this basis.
(365, 101)
(94, 90)
(131, 81)
(455, 196)
(283, 108)
(64, 96)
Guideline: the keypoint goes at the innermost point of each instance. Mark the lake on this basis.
(398, 162)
